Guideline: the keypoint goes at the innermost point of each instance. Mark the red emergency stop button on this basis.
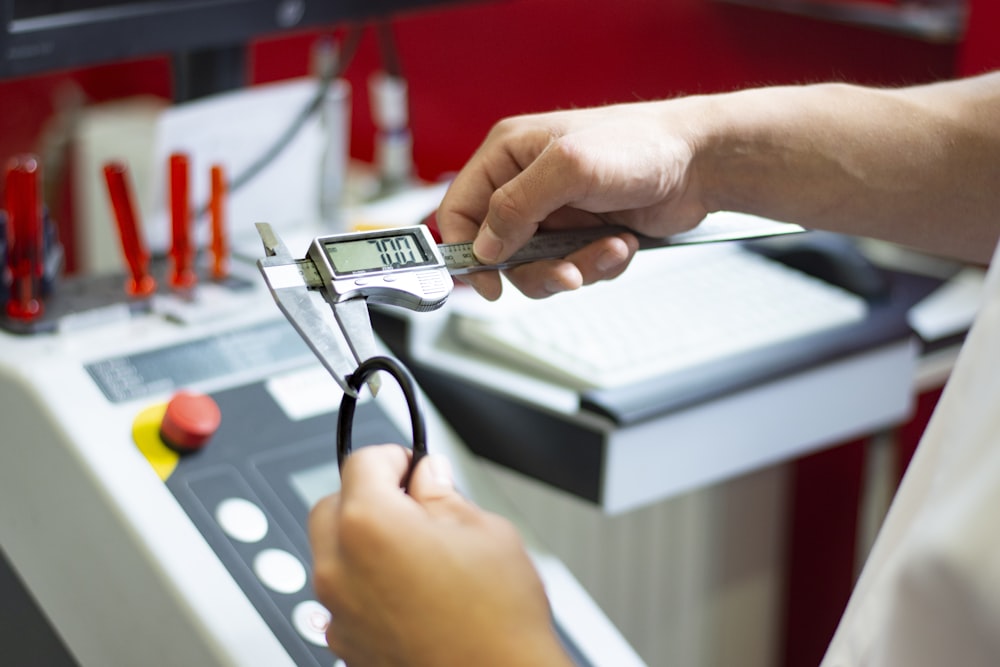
(190, 421)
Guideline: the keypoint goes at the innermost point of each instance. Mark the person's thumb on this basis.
(433, 486)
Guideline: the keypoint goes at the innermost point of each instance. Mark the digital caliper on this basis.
(325, 295)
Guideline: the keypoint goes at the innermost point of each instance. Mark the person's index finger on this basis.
(375, 469)
(466, 202)
(463, 208)
(546, 185)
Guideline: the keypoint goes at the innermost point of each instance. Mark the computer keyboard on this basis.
(672, 310)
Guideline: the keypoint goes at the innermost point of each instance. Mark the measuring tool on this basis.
(329, 289)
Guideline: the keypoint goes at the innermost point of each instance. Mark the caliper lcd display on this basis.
(378, 253)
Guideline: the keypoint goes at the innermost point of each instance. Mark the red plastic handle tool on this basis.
(182, 275)
(25, 259)
(139, 283)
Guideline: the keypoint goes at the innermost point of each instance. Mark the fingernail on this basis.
(607, 261)
(487, 246)
(440, 469)
(554, 286)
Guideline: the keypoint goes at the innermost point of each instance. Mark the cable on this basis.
(353, 37)
(387, 49)
(326, 77)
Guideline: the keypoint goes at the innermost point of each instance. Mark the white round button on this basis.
(311, 619)
(242, 520)
(280, 571)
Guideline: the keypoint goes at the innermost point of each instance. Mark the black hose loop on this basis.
(345, 418)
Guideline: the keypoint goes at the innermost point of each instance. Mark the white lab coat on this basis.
(929, 594)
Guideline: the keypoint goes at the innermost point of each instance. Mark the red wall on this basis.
(981, 48)
(469, 65)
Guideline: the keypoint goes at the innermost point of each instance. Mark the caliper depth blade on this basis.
(721, 226)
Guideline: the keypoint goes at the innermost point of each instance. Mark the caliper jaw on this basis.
(339, 333)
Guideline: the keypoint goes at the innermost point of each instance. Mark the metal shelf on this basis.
(940, 21)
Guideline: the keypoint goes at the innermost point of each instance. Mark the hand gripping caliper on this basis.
(325, 295)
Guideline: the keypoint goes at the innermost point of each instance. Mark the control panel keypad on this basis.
(262, 559)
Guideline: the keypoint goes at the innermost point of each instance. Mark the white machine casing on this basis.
(111, 557)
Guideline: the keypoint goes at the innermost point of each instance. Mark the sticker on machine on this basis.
(306, 393)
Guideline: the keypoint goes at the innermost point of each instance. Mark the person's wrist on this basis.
(733, 143)
(711, 140)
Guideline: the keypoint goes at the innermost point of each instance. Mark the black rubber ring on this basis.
(345, 417)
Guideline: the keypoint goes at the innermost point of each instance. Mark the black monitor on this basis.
(207, 38)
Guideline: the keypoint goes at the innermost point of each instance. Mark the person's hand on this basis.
(425, 579)
(628, 165)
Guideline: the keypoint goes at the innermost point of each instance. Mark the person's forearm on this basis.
(918, 166)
